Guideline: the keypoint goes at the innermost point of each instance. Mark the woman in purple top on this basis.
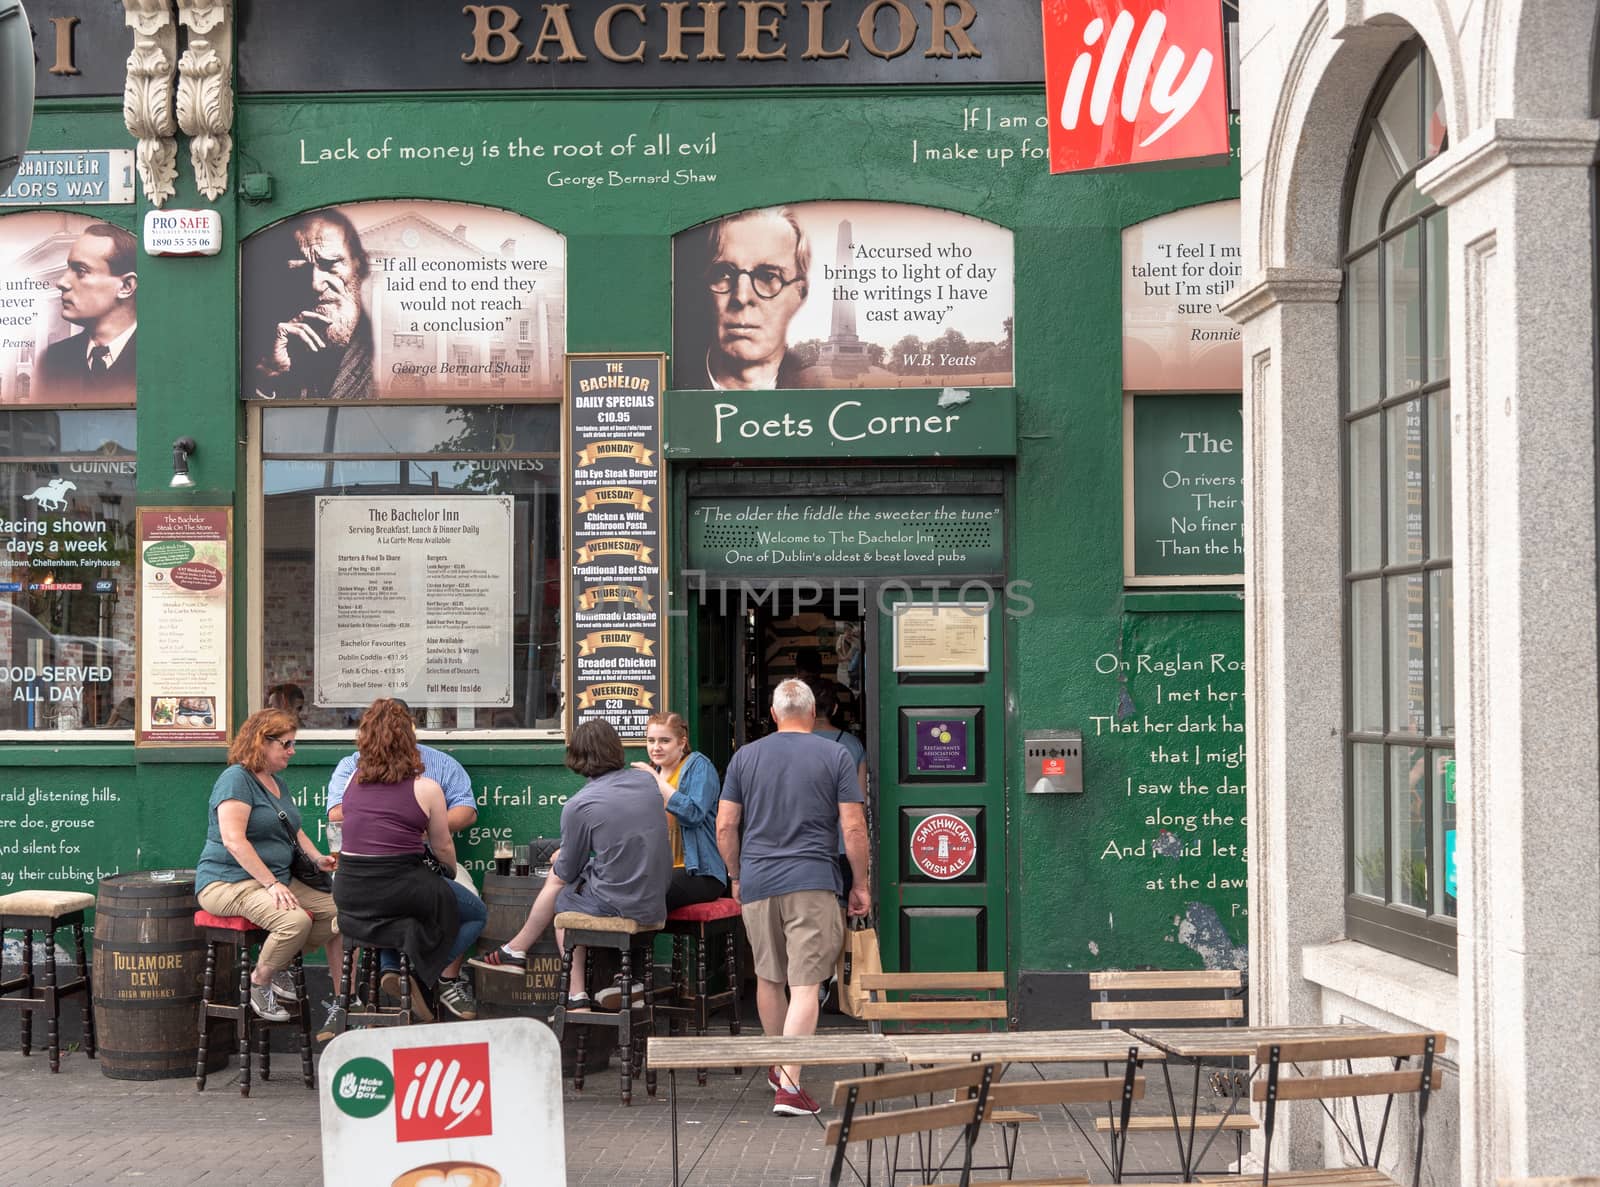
(387, 896)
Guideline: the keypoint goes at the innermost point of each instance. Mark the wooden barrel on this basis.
(149, 970)
(509, 899)
(532, 995)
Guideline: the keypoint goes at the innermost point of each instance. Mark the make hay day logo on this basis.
(363, 1088)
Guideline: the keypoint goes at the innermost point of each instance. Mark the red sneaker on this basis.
(774, 1078)
(795, 1104)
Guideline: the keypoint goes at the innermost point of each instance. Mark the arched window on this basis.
(1399, 603)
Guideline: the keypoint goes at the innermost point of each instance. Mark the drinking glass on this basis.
(520, 861)
(335, 837)
(502, 857)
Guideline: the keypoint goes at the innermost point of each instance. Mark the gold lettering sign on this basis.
(639, 644)
(632, 595)
(633, 694)
(606, 451)
(631, 496)
(615, 546)
(760, 31)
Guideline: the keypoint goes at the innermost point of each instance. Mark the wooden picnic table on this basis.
(669, 1054)
(1097, 1045)
(697, 1051)
(1219, 1044)
(1234, 1042)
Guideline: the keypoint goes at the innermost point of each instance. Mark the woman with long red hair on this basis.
(387, 896)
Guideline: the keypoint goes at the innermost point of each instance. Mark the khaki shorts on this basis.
(795, 937)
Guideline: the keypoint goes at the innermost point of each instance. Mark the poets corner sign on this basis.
(1134, 82)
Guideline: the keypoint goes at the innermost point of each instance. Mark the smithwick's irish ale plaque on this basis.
(616, 658)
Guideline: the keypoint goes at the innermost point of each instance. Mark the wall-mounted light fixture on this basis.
(181, 449)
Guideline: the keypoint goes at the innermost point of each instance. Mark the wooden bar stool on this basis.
(238, 933)
(632, 1021)
(696, 925)
(361, 964)
(44, 911)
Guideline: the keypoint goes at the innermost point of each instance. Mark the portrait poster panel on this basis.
(414, 600)
(615, 499)
(403, 300)
(185, 591)
(69, 311)
(842, 295)
(1176, 270)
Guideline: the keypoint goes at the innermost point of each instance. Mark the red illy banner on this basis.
(1132, 82)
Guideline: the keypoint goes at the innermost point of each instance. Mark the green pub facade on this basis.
(468, 334)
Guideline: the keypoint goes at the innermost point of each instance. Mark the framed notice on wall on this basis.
(183, 626)
(1183, 469)
(414, 600)
(616, 622)
(941, 637)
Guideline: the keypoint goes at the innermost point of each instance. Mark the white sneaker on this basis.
(265, 1003)
(610, 998)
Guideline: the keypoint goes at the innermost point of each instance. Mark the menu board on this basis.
(616, 652)
(414, 600)
(1185, 496)
(185, 591)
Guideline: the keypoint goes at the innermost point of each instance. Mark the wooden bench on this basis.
(1284, 1080)
(1173, 995)
(950, 1001)
(970, 1082)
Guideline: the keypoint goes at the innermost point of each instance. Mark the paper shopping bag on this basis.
(859, 955)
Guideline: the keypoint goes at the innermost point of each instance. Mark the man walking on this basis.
(792, 791)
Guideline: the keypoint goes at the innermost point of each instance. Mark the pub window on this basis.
(1398, 578)
(414, 551)
(67, 497)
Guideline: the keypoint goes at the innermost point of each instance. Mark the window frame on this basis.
(85, 733)
(255, 598)
(1418, 934)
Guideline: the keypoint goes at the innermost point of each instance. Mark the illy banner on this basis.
(1134, 82)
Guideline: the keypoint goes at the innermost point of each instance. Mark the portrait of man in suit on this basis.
(99, 291)
(756, 280)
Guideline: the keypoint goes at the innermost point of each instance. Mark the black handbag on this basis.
(300, 864)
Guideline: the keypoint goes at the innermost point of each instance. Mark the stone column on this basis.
(1293, 686)
(1523, 441)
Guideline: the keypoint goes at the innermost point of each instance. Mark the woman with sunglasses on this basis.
(244, 867)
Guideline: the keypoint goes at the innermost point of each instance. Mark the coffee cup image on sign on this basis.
(450, 1174)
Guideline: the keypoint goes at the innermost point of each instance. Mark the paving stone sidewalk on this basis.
(81, 1128)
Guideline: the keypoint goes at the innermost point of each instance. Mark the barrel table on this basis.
(532, 994)
(149, 968)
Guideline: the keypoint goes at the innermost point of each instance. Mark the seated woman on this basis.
(687, 781)
(244, 867)
(387, 896)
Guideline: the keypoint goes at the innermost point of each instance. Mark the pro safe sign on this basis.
(943, 846)
(1133, 82)
(474, 1103)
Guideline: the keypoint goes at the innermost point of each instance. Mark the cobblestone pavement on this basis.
(79, 1127)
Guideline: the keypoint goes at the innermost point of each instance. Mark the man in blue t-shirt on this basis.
(792, 792)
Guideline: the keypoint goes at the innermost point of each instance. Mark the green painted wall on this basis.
(1079, 909)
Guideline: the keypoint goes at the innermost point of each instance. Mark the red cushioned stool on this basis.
(239, 933)
(696, 924)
